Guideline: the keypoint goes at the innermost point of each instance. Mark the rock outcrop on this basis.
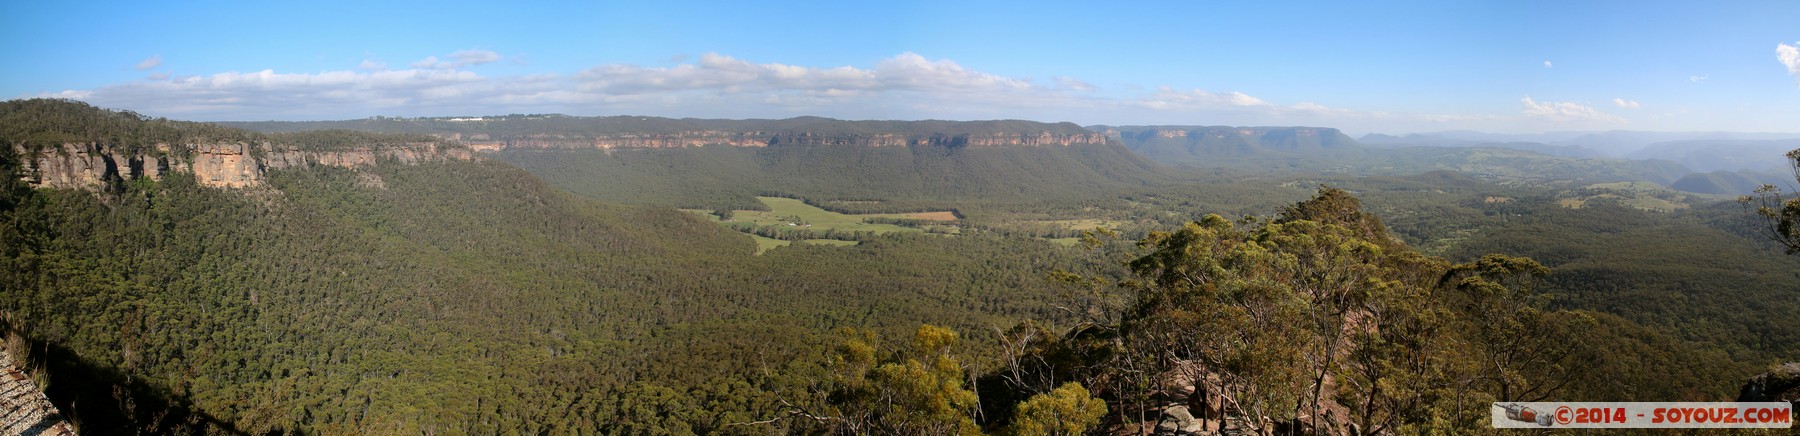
(1779, 384)
(1177, 421)
(24, 410)
(229, 165)
(77, 166)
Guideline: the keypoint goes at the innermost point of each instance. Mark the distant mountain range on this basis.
(1183, 143)
(1722, 155)
(1699, 151)
(1702, 162)
(570, 132)
(1317, 149)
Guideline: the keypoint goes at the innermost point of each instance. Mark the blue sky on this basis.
(1389, 67)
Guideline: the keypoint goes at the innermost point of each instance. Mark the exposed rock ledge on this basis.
(23, 407)
(89, 165)
(1781, 383)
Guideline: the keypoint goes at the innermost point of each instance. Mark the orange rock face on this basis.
(224, 165)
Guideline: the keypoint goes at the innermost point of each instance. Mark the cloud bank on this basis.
(905, 86)
(1563, 112)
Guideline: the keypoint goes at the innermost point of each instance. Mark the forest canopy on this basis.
(475, 297)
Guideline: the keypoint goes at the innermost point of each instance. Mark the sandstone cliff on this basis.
(231, 165)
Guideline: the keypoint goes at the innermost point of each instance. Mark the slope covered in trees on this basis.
(1312, 321)
(472, 297)
(902, 179)
(37, 123)
(1705, 273)
(461, 297)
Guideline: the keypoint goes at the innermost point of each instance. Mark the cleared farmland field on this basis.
(795, 213)
(788, 213)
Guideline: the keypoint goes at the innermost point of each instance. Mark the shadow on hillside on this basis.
(100, 400)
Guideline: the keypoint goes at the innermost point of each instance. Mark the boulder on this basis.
(1177, 421)
(1781, 383)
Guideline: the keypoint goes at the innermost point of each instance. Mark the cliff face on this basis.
(229, 165)
(764, 139)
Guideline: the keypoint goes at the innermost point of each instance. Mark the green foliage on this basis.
(1261, 319)
(1701, 283)
(1783, 215)
(1068, 410)
(1526, 351)
(37, 123)
(1266, 309)
(475, 298)
(41, 122)
(917, 391)
(1333, 206)
(906, 179)
(465, 297)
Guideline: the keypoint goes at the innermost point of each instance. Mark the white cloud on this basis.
(1315, 107)
(1564, 111)
(1169, 98)
(1790, 57)
(1697, 78)
(268, 94)
(712, 85)
(1456, 118)
(1628, 104)
(1547, 64)
(905, 86)
(1073, 84)
(150, 62)
(458, 59)
(906, 72)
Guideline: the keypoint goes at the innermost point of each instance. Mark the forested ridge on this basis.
(455, 297)
(473, 297)
(1702, 275)
(38, 123)
(284, 310)
(897, 179)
